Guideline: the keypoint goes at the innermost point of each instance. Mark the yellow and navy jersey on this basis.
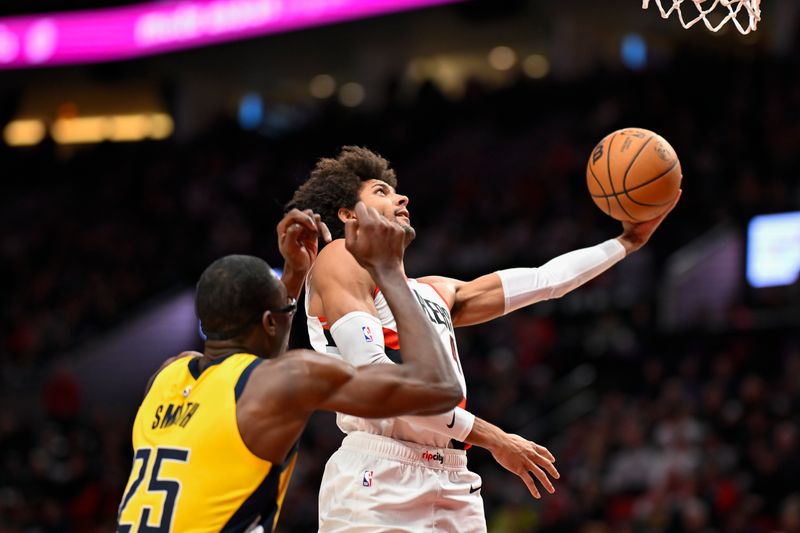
(191, 470)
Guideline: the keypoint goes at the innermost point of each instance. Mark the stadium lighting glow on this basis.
(536, 66)
(773, 250)
(129, 128)
(634, 51)
(157, 27)
(162, 126)
(114, 128)
(251, 111)
(322, 86)
(24, 132)
(81, 130)
(351, 94)
(502, 58)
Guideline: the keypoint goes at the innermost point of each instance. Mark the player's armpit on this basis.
(341, 283)
(471, 302)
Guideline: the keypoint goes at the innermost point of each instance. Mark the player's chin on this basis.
(403, 221)
(410, 232)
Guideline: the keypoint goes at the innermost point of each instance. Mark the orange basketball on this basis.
(633, 175)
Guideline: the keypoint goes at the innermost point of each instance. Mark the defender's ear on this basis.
(269, 324)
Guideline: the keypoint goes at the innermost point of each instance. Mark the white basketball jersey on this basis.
(435, 308)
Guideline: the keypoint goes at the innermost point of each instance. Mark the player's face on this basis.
(383, 198)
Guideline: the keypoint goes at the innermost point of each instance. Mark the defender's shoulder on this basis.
(166, 363)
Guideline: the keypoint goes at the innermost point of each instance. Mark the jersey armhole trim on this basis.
(432, 286)
(244, 376)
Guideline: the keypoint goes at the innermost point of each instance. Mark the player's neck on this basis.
(216, 351)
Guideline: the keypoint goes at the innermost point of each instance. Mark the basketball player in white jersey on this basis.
(409, 473)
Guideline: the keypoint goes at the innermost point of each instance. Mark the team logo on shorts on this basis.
(366, 479)
(367, 334)
(428, 456)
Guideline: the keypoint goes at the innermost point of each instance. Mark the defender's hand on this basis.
(636, 234)
(298, 236)
(375, 242)
(528, 460)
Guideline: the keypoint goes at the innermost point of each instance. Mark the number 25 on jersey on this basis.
(142, 502)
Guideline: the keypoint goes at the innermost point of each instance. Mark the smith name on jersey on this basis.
(191, 470)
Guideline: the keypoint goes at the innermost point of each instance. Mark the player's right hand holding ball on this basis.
(634, 176)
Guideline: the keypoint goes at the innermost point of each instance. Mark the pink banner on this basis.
(145, 29)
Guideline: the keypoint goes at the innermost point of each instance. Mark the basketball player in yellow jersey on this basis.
(215, 437)
(436, 492)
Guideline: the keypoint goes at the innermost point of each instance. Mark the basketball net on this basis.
(716, 8)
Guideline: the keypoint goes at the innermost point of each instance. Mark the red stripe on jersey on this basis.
(323, 322)
(390, 339)
(449, 307)
(463, 405)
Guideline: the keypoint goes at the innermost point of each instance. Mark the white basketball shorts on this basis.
(374, 483)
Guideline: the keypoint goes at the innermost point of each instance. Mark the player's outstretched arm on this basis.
(502, 292)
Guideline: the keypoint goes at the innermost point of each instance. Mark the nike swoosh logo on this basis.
(476, 489)
(453, 423)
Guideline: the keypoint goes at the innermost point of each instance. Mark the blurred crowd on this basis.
(695, 435)
(652, 432)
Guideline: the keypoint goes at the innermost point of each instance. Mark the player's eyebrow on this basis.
(381, 185)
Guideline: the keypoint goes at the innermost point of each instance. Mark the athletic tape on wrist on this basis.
(456, 424)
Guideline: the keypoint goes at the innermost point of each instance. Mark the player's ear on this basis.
(269, 323)
(346, 214)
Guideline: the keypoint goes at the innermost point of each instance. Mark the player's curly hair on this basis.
(335, 183)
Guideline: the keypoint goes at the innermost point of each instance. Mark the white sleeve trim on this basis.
(557, 277)
(359, 338)
(355, 347)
